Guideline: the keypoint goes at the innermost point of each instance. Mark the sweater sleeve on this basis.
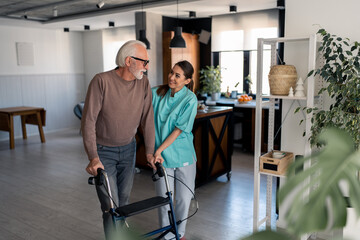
(147, 121)
(92, 107)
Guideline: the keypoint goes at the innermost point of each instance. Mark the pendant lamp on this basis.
(142, 33)
(177, 41)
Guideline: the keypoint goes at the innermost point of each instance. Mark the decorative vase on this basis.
(215, 96)
(281, 78)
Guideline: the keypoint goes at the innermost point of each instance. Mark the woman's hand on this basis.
(158, 157)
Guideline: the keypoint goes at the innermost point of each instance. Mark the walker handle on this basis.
(98, 179)
(159, 169)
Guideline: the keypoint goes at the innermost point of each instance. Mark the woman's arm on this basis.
(168, 141)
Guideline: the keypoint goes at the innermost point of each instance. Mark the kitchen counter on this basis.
(213, 141)
(244, 113)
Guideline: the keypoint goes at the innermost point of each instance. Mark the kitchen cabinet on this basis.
(213, 142)
(173, 55)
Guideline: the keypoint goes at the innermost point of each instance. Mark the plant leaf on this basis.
(336, 162)
(310, 73)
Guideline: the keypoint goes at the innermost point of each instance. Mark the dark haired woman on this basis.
(175, 108)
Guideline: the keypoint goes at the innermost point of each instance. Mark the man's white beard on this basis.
(137, 74)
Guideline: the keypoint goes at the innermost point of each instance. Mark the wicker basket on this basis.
(281, 78)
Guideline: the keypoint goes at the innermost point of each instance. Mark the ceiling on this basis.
(74, 14)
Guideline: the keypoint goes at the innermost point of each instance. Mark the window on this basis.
(234, 39)
(266, 70)
(232, 65)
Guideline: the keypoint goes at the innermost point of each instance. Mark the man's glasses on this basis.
(139, 59)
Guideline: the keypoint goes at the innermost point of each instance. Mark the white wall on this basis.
(93, 54)
(64, 64)
(154, 35)
(55, 81)
(302, 19)
(54, 51)
(113, 39)
(101, 47)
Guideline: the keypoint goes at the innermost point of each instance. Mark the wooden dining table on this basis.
(29, 115)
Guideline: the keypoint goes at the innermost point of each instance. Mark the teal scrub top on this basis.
(170, 112)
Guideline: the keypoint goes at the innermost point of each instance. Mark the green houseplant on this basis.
(341, 75)
(210, 80)
(325, 207)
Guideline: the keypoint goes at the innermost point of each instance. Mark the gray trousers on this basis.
(119, 163)
(182, 195)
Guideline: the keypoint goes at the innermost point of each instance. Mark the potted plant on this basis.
(210, 80)
(341, 74)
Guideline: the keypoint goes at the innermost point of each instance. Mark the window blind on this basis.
(240, 31)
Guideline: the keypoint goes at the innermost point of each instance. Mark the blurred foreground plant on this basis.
(313, 199)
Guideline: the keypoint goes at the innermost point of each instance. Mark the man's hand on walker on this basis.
(93, 165)
(150, 160)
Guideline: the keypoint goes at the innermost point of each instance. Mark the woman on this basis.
(175, 108)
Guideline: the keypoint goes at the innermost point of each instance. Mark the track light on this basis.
(192, 14)
(111, 24)
(281, 4)
(100, 4)
(55, 12)
(233, 9)
(86, 27)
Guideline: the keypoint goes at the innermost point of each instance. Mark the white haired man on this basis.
(117, 102)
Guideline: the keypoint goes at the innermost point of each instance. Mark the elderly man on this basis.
(117, 102)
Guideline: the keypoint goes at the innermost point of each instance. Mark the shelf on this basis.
(284, 39)
(271, 103)
(272, 174)
(284, 97)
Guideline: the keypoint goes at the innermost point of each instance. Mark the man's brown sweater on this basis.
(113, 110)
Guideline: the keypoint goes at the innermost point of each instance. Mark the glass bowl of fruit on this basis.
(244, 98)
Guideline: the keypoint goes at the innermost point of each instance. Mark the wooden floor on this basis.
(44, 195)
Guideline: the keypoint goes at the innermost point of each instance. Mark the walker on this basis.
(121, 213)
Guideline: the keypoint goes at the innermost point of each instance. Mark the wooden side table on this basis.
(29, 115)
